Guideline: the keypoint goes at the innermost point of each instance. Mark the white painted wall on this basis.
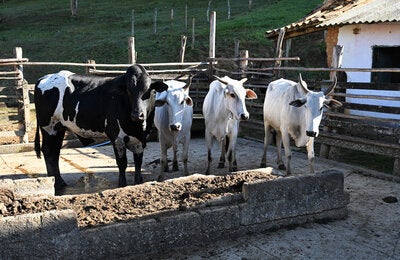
(357, 53)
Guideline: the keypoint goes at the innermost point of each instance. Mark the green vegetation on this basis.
(46, 31)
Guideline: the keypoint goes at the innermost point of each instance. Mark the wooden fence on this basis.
(339, 129)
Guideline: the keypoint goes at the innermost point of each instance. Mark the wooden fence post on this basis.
(208, 11)
(229, 10)
(328, 151)
(193, 35)
(211, 53)
(243, 64)
(186, 18)
(88, 68)
(279, 46)
(131, 50)
(20, 86)
(74, 8)
(133, 22)
(155, 21)
(183, 46)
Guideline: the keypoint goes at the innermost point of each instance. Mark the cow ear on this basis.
(189, 101)
(250, 94)
(298, 102)
(159, 86)
(332, 103)
(146, 94)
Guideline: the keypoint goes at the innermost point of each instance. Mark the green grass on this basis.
(46, 31)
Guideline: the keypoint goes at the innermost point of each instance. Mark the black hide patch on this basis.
(46, 104)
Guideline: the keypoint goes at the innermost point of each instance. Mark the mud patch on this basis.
(135, 201)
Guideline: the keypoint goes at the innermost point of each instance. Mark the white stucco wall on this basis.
(357, 53)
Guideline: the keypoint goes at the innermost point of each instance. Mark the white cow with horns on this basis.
(223, 108)
(173, 119)
(292, 109)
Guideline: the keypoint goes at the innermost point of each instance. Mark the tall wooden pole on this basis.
(131, 50)
(211, 55)
(183, 47)
(213, 25)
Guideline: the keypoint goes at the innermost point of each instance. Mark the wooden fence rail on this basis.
(340, 129)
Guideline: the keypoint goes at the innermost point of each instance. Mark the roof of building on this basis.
(342, 12)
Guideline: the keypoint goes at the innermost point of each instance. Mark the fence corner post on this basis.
(19, 87)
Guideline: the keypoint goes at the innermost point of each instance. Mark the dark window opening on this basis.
(385, 57)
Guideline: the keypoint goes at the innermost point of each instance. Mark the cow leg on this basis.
(288, 152)
(279, 161)
(185, 154)
(267, 133)
(138, 159)
(310, 153)
(122, 163)
(221, 163)
(232, 153)
(175, 166)
(163, 158)
(51, 146)
(209, 143)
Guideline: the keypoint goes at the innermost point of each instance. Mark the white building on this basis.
(369, 31)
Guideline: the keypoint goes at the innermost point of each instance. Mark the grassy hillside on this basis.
(47, 32)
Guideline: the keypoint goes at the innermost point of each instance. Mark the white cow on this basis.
(173, 119)
(292, 109)
(224, 106)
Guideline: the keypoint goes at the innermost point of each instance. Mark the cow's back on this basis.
(277, 98)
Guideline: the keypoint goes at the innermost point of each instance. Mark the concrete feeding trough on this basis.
(260, 206)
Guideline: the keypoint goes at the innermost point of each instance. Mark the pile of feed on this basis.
(133, 201)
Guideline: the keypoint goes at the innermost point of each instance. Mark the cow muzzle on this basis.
(244, 117)
(138, 117)
(311, 133)
(175, 127)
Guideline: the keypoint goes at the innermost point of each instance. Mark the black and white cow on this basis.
(120, 108)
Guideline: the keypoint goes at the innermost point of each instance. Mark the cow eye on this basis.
(232, 95)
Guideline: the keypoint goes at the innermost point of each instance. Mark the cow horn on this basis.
(331, 87)
(301, 82)
(188, 81)
(221, 80)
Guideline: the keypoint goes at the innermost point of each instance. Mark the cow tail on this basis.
(37, 142)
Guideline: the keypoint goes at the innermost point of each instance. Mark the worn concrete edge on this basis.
(58, 232)
(39, 186)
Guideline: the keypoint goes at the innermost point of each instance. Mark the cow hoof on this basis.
(175, 168)
(166, 169)
(221, 165)
(138, 180)
(281, 167)
(160, 178)
(263, 165)
(59, 186)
